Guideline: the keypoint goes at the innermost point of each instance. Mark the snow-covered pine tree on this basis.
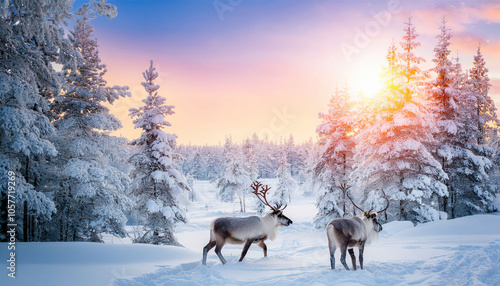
(266, 159)
(235, 181)
(198, 166)
(485, 111)
(307, 174)
(32, 37)
(91, 196)
(253, 171)
(448, 106)
(293, 156)
(471, 188)
(458, 142)
(214, 163)
(160, 189)
(286, 183)
(391, 152)
(337, 141)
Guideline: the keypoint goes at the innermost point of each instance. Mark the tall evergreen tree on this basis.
(293, 155)
(91, 196)
(32, 39)
(472, 189)
(448, 105)
(161, 190)
(253, 171)
(198, 166)
(309, 183)
(392, 152)
(336, 136)
(235, 181)
(286, 183)
(485, 110)
(458, 142)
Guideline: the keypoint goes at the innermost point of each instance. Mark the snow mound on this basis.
(394, 227)
(84, 263)
(470, 225)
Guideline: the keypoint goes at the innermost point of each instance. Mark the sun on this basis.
(366, 84)
(365, 80)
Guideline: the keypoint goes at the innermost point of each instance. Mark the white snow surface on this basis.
(463, 251)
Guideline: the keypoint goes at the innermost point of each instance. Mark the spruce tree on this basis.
(335, 164)
(235, 181)
(32, 37)
(392, 152)
(160, 189)
(91, 197)
(286, 183)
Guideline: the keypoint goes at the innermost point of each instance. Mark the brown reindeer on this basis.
(347, 233)
(246, 230)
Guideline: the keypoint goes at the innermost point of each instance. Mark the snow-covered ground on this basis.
(464, 251)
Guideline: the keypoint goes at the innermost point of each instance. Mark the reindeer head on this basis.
(372, 216)
(277, 210)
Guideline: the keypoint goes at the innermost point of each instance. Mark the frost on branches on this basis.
(235, 181)
(32, 39)
(286, 183)
(161, 190)
(391, 151)
(464, 112)
(91, 196)
(249, 147)
(333, 169)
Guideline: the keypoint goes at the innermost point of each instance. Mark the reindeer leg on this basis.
(218, 248)
(361, 249)
(264, 247)
(332, 246)
(245, 248)
(353, 258)
(343, 252)
(206, 249)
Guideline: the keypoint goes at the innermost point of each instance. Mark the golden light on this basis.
(364, 80)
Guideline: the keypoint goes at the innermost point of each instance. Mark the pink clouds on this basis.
(456, 16)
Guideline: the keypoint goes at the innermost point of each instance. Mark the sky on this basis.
(238, 67)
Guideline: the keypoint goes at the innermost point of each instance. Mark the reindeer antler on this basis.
(386, 207)
(344, 187)
(347, 194)
(261, 194)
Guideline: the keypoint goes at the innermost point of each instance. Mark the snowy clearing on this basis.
(464, 251)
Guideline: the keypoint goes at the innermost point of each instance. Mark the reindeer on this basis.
(246, 230)
(347, 233)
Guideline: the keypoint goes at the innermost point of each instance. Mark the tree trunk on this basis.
(343, 204)
(3, 214)
(402, 214)
(25, 221)
(26, 176)
(453, 202)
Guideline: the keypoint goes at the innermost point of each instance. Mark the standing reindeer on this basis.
(347, 233)
(247, 230)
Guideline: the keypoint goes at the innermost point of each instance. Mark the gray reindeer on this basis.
(246, 230)
(347, 233)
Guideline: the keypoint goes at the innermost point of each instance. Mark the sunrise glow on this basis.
(229, 76)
